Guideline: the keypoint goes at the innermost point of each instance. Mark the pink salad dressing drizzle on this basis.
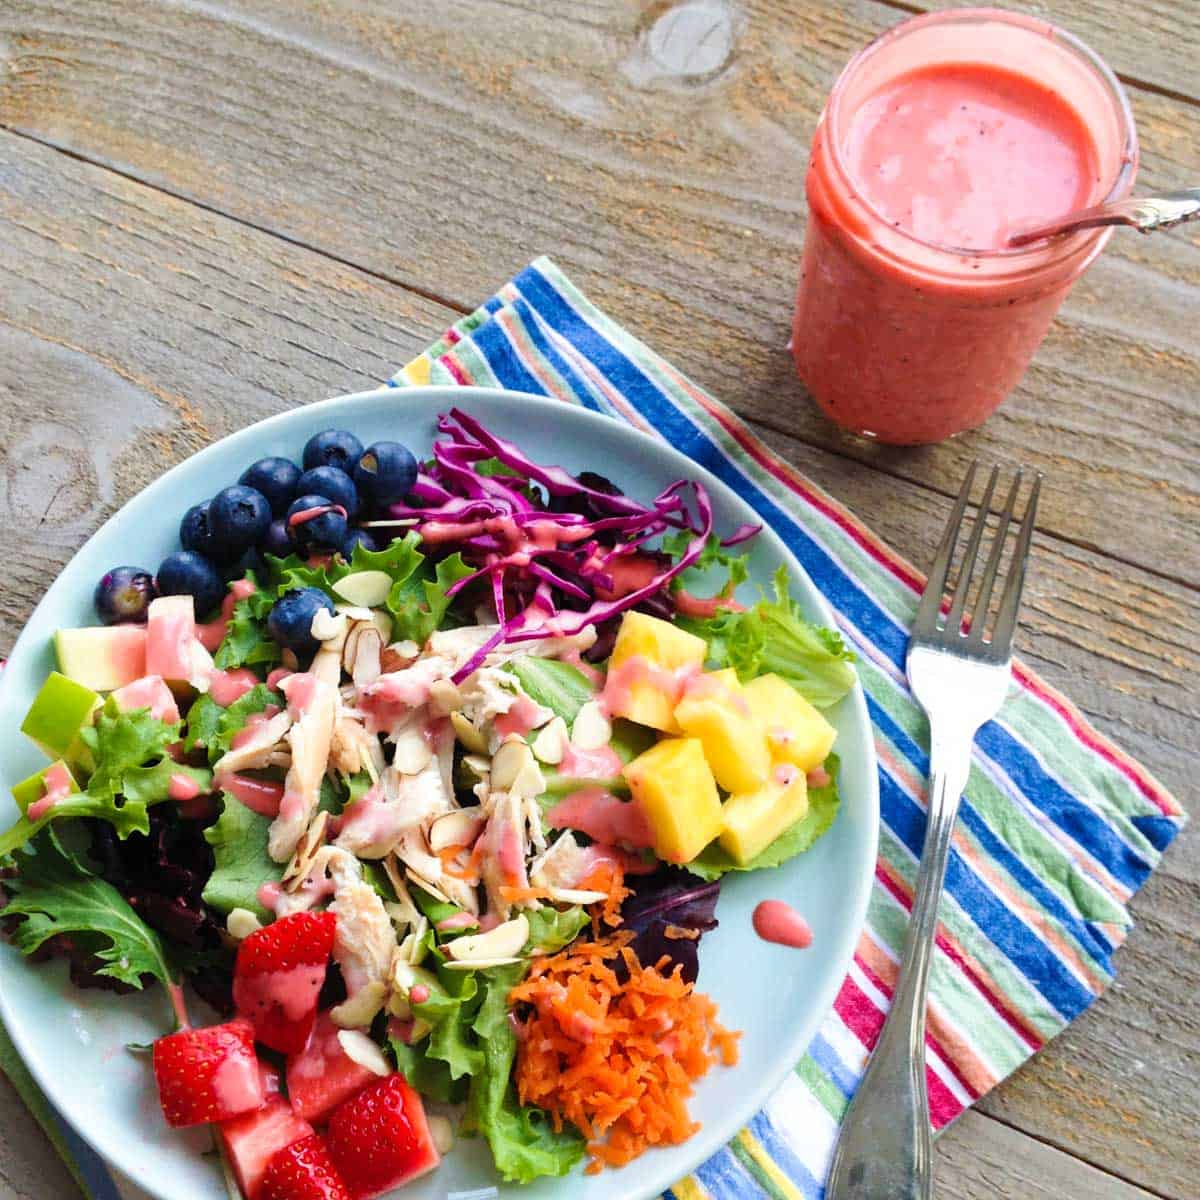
(311, 514)
(703, 606)
(237, 1083)
(150, 692)
(775, 921)
(262, 796)
(268, 895)
(785, 774)
(589, 672)
(519, 719)
(604, 818)
(182, 787)
(601, 763)
(300, 690)
(248, 731)
(638, 671)
(212, 633)
(458, 920)
(277, 676)
(818, 777)
(227, 686)
(419, 993)
(56, 784)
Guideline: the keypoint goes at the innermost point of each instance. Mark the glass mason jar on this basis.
(909, 341)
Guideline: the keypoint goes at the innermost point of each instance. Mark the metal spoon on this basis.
(1145, 214)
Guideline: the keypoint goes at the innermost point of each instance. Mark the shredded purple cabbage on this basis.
(551, 567)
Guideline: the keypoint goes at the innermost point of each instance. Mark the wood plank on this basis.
(156, 327)
(360, 128)
(979, 1157)
(1157, 43)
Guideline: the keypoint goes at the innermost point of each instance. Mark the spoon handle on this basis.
(1143, 213)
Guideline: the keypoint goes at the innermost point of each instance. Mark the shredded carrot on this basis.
(518, 895)
(609, 878)
(613, 1054)
(453, 866)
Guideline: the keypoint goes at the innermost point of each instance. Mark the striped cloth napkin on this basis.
(1058, 829)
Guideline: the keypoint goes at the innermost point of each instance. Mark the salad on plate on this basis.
(423, 778)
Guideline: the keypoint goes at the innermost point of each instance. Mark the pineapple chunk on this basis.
(674, 788)
(650, 660)
(751, 821)
(796, 732)
(735, 744)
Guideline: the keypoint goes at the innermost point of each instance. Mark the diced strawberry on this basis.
(322, 1075)
(304, 1171)
(380, 1138)
(207, 1074)
(278, 976)
(252, 1140)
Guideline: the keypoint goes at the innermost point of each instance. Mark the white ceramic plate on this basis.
(73, 1041)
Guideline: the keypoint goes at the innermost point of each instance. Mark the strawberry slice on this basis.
(252, 1140)
(207, 1074)
(278, 976)
(304, 1171)
(380, 1138)
(322, 1075)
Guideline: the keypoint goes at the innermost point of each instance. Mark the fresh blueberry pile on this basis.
(274, 508)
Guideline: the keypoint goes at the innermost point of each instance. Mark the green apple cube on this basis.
(102, 657)
(59, 711)
(30, 791)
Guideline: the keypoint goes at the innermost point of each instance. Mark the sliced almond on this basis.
(355, 612)
(592, 729)
(478, 764)
(572, 896)
(466, 733)
(360, 1010)
(383, 622)
(442, 1133)
(529, 781)
(551, 742)
(306, 851)
(329, 626)
(503, 942)
(350, 645)
(413, 753)
(241, 923)
(369, 589)
(368, 647)
(444, 697)
(360, 1049)
(458, 828)
(508, 762)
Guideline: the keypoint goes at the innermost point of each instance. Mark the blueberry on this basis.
(238, 517)
(332, 448)
(187, 573)
(123, 595)
(358, 537)
(329, 481)
(275, 540)
(275, 478)
(290, 622)
(325, 527)
(386, 472)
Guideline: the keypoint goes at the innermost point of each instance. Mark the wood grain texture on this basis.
(152, 327)
(442, 147)
(30, 1168)
(1156, 44)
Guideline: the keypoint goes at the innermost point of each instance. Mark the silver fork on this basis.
(885, 1151)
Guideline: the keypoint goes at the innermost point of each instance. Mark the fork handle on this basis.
(885, 1150)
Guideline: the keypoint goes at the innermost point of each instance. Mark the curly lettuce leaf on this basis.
(133, 771)
(823, 804)
(774, 637)
(246, 641)
(715, 564)
(524, 1144)
(213, 727)
(242, 864)
(419, 604)
(551, 930)
(48, 897)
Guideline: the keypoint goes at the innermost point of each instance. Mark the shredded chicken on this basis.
(363, 947)
(257, 750)
(312, 703)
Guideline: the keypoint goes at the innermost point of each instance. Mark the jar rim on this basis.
(1019, 257)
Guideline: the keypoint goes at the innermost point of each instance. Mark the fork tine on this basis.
(979, 616)
(1010, 602)
(931, 597)
(959, 603)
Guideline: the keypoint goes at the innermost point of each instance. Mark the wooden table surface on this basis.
(211, 210)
